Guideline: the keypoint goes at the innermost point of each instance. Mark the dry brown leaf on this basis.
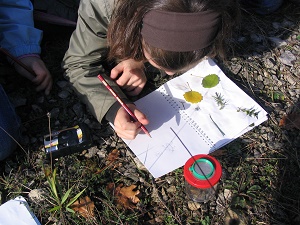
(84, 206)
(130, 193)
(125, 197)
(193, 205)
(113, 155)
(111, 159)
(290, 121)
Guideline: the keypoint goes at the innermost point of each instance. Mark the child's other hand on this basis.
(125, 127)
(129, 75)
(42, 80)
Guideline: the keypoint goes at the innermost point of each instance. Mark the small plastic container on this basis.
(202, 174)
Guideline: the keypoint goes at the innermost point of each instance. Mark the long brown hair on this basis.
(125, 39)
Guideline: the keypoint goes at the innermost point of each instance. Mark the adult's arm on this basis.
(17, 32)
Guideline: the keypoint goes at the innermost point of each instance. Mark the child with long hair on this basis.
(171, 35)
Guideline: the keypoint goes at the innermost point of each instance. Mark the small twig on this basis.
(165, 206)
(116, 214)
(216, 125)
(13, 139)
(104, 168)
(50, 136)
(274, 158)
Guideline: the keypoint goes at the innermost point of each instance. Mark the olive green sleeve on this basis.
(87, 48)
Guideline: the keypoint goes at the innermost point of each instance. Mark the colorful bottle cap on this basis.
(202, 171)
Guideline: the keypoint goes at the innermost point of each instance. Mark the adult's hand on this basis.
(42, 79)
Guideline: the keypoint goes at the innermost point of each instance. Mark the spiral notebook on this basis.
(181, 124)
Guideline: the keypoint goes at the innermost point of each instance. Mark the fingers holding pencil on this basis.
(43, 79)
(40, 75)
(125, 127)
(131, 115)
(34, 69)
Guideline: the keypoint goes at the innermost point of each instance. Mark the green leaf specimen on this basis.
(210, 81)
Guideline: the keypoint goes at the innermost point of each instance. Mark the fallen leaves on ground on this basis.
(125, 197)
(112, 157)
(291, 120)
(85, 207)
(193, 205)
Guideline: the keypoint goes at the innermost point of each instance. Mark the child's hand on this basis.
(125, 127)
(130, 76)
(42, 80)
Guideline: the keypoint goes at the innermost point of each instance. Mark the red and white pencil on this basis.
(122, 103)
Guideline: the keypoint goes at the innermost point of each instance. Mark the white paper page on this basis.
(199, 128)
(17, 212)
(218, 124)
(164, 152)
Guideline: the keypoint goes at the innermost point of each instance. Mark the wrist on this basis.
(29, 55)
